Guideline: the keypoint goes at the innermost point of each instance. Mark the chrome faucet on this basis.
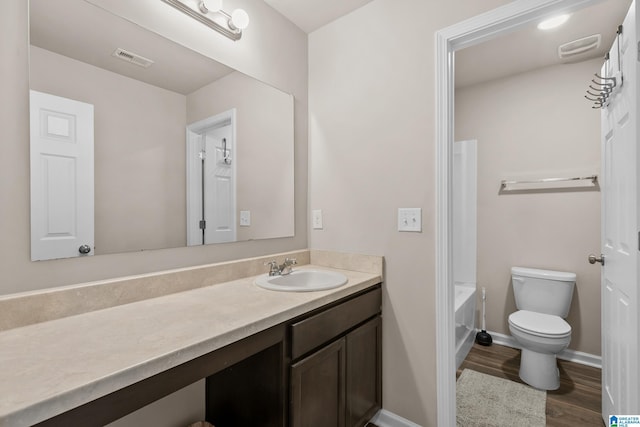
(274, 270)
(285, 268)
(281, 270)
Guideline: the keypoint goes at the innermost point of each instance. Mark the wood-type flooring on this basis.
(576, 403)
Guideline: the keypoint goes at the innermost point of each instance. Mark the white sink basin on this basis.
(303, 281)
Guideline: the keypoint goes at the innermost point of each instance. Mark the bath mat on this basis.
(487, 401)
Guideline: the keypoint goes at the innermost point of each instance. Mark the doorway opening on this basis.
(211, 180)
(468, 33)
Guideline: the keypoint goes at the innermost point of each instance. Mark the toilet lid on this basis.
(539, 323)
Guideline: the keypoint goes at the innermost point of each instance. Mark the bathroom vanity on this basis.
(269, 358)
(327, 362)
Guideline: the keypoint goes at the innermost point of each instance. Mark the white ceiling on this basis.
(524, 50)
(529, 48)
(309, 15)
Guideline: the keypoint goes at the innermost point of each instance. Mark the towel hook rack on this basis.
(606, 86)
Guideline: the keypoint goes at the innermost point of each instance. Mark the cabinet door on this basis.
(364, 371)
(318, 388)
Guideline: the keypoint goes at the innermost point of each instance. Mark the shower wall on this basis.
(465, 155)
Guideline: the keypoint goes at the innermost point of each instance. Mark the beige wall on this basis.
(536, 124)
(259, 54)
(264, 149)
(179, 409)
(140, 179)
(372, 151)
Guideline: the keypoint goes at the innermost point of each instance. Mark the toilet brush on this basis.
(482, 337)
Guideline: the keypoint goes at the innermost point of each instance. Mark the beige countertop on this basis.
(51, 367)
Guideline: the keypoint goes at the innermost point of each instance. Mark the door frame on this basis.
(467, 33)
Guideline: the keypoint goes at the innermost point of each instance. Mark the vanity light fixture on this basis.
(553, 22)
(212, 15)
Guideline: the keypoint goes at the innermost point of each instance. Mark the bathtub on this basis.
(465, 309)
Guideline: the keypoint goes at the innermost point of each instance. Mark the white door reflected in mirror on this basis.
(211, 182)
(62, 211)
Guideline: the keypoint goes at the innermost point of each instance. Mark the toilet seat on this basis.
(540, 324)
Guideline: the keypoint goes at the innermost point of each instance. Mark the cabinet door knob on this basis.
(84, 249)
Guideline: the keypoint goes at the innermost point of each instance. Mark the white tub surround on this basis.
(465, 237)
(51, 367)
(465, 312)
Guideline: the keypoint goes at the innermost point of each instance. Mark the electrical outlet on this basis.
(410, 219)
(316, 219)
(245, 218)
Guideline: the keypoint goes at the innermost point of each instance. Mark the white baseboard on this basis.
(385, 418)
(570, 355)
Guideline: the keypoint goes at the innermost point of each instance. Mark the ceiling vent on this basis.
(133, 58)
(579, 46)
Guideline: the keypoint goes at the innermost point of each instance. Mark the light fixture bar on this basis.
(234, 35)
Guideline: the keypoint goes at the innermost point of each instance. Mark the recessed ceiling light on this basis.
(553, 22)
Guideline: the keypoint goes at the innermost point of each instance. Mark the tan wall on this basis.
(258, 54)
(372, 151)
(182, 408)
(264, 147)
(140, 180)
(536, 124)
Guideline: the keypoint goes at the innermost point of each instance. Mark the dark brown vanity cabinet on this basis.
(336, 371)
(318, 388)
(326, 371)
(364, 372)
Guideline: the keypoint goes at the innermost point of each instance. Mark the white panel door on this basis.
(219, 186)
(62, 208)
(620, 360)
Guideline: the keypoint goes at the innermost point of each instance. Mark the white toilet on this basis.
(543, 298)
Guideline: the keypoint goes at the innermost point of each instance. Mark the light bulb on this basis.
(239, 19)
(553, 22)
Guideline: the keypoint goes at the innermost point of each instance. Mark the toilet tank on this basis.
(543, 291)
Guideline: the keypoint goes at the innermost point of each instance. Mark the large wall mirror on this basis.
(186, 151)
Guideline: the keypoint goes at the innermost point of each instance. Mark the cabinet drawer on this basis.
(320, 328)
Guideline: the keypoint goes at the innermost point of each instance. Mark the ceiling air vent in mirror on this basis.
(134, 58)
(579, 46)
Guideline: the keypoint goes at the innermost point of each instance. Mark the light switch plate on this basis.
(245, 218)
(316, 219)
(410, 219)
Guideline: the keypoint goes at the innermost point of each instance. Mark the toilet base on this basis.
(539, 370)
